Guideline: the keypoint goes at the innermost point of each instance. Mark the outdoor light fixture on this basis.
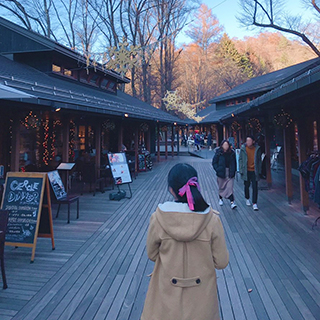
(174, 123)
(58, 109)
(126, 115)
(232, 115)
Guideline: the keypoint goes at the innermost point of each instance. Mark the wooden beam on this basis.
(66, 137)
(318, 132)
(217, 136)
(268, 153)
(172, 141)
(178, 142)
(136, 146)
(166, 143)
(287, 163)
(120, 136)
(158, 142)
(302, 147)
(98, 146)
(15, 152)
(148, 138)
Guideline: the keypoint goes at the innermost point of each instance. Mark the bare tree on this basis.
(270, 14)
(33, 14)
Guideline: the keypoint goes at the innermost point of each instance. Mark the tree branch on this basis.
(315, 5)
(297, 33)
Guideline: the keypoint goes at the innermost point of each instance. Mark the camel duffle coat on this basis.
(187, 247)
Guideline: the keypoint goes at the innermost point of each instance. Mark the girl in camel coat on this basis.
(186, 241)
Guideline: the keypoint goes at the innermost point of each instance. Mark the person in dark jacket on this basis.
(224, 163)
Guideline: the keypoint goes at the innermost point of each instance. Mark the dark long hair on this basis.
(221, 144)
(178, 177)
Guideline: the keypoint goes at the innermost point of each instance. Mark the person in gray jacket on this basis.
(250, 169)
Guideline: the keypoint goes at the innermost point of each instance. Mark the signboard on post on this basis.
(119, 168)
(27, 198)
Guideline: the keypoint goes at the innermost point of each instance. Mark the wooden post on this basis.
(172, 141)
(66, 137)
(302, 146)
(267, 150)
(148, 134)
(15, 152)
(287, 163)
(166, 143)
(318, 132)
(158, 142)
(217, 136)
(136, 146)
(224, 132)
(120, 136)
(98, 147)
(178, 144)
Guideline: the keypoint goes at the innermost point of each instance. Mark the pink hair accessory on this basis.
(186, 190)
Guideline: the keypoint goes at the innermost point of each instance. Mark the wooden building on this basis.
(55, 107)
(283, 108)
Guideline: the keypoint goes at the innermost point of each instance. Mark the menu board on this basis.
(119, 168)
(22, 198)
(27, 198)
(57, 185)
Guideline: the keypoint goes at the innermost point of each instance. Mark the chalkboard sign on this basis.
(24, 199)
(57, 185)
(142, 162)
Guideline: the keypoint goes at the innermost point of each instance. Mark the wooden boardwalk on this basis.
(98, 270)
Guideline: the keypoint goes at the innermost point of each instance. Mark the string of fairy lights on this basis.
(283, 119)
(47, 129)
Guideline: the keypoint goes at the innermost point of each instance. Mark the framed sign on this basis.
(119, 168)
(27, 198)
(57, 185)
(65, 166)
(142, 166)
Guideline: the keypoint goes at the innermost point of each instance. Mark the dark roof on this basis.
(267, 82)
(10, 93)
(41, 43)
(215, 115)
(70, 94)
(299, 82)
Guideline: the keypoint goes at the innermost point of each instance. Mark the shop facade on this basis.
(62, 109)
(283, 116)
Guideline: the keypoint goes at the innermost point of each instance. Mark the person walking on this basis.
(250, 169)
(225, 166)
(187, 243)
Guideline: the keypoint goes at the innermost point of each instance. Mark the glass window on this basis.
(93, 79)
(67, 72)
(56, 68)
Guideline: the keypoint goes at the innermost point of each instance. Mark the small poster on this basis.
(119, 168)
(57, 185)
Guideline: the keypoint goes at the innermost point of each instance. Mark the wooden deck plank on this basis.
(100, 265)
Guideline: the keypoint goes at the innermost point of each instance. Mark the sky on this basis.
(227, 10)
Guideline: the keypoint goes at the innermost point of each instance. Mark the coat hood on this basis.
(180, 223)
